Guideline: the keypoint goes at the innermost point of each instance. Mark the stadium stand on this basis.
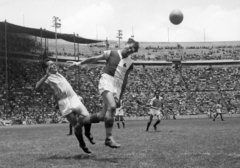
(187, 88)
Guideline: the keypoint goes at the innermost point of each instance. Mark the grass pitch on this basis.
(183, 143)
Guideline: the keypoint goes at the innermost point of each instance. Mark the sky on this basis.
(147, 20)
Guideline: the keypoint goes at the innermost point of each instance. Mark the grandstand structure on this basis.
(192, 77)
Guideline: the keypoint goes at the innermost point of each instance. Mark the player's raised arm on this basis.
(41, 82)
(90, 60)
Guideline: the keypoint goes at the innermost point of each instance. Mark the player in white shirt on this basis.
(120, 115)
(68, 102)
(155, 109)
(218, 111)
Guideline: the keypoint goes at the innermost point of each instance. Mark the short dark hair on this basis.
(135, 44)
(157, 91)
(44, 64)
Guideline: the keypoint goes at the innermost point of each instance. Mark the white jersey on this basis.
(60, 86)
(218, 108)
(156, 103)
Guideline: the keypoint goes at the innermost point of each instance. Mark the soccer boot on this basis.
(155, 127)
(90, 138)
(85, 149)
(112, 143)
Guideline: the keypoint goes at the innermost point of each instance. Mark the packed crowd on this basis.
(187, 90)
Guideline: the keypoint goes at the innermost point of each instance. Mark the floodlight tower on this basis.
(119, 36)
(56, 23)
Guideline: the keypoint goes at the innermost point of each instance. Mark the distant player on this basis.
(155, 109)
(120, 115)
(218, 111)
(68, 102)
(111, 86)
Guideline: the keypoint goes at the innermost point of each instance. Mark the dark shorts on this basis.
(119, 118)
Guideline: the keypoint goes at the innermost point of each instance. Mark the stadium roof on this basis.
(45, 33)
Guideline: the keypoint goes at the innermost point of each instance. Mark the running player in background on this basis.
(155, 109)
(68, 102)
(218, 111)
(111, 85)
(120, 115)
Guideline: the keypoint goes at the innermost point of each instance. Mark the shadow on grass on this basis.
(83, 157)
(76, 157)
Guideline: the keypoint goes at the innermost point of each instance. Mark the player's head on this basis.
(157, 93)
(49, 64)
(132, 46)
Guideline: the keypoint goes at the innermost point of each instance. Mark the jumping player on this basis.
(111, 85)
(218, 111)
(120, 115)
(68, 101)
(155, 109)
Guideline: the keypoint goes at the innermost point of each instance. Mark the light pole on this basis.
(119, 36)
(56, 24)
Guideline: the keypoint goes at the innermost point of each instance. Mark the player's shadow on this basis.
(76, 157)
(82, 157)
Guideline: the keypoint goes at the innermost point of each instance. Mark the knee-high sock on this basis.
(87, 128)
(123, 123)
(221, 116)
(79, 136)
(118, 124)
(108, 126)
(148, 124)
(157, 122)
(70, 128)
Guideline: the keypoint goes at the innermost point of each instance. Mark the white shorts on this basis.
(155, 112)
(219, 111)
(120, 113)
(72, 104)
(111, 84)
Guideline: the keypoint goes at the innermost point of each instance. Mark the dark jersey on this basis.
(116, 66)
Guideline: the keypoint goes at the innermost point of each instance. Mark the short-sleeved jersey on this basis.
(218, 106)
(156, 102)
(60, 86)
(116, 65)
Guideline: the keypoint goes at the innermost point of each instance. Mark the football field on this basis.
(181, 143)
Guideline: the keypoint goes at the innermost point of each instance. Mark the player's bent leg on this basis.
(157, 122)
(215, 116)
(109, 118)
(78, 132)
(123, 123)
(96, 117)
(118, 119)
(221, 117)
(88, 133)
(70, 129)
(149, 122)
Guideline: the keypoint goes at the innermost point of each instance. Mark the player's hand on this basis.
(48, 73)
(73, 64)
